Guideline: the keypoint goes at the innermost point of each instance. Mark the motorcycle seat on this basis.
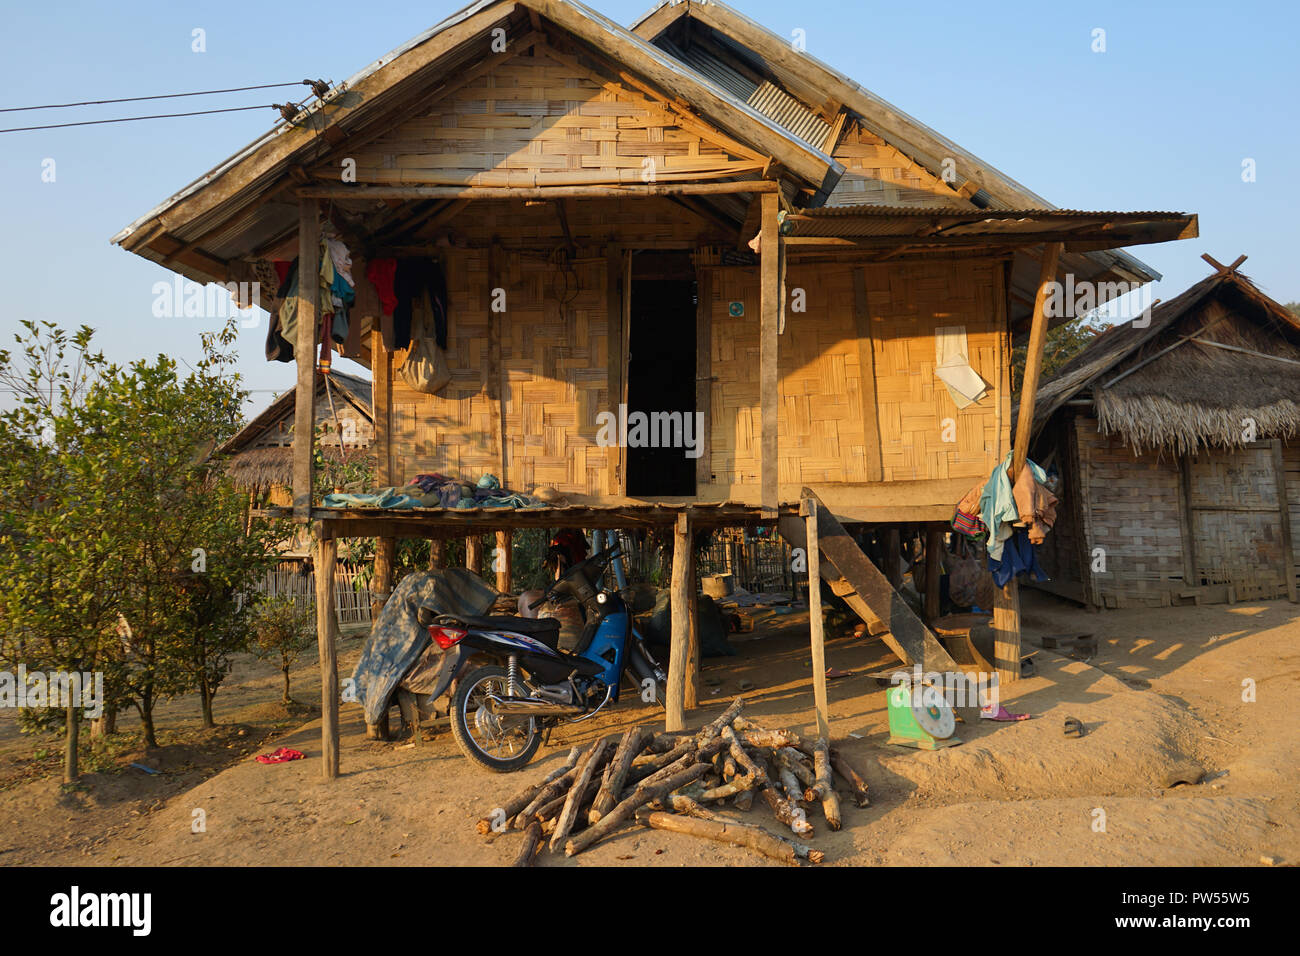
(544, 629)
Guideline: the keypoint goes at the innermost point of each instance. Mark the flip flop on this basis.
(1074, 727)
(1004, 715)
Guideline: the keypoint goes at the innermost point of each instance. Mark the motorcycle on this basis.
(512, 681)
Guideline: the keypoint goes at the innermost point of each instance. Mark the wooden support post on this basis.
(693, 624)
(770, 306)
(1006, 602)
(382, 584)
(327, 552)
(679, 649)
(933, 570)
(437, 554)
(808, 509)
(704, 375)
(867, 379)
(474, 553)
(304, 351)
(501, 561)
(894, 557)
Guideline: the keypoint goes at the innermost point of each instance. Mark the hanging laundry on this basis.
(1036, 505)
(998, 508)
(381, 273)
(966, 519)
(1018, 556)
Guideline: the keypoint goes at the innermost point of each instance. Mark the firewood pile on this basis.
(670, 781)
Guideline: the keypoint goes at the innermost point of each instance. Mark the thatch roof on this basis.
(257, 469)
(1219, 354)
(349, 388)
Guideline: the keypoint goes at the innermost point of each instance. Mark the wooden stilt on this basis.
(679, 650)
(893, 556)
(382, 584)
(502, 562)
(769, 325)
(933, 553)
(693, 631)
(304, 351)
(808, 509)
(474, 553)
(1006, 604)
(327, 552)
(437, 554)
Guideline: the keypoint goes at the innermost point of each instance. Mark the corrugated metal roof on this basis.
(766, 97)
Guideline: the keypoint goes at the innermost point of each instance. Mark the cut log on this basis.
(826, 785)
(851, 777)
(616, 772)
(507, 811)
(640, 797)
(744, 800)
(532, 839)
(734, 834)
(726, 717)
(569, 815)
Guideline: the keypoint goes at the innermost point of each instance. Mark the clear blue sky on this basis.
(1162, 120)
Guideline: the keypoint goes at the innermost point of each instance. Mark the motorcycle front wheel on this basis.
(499, 743)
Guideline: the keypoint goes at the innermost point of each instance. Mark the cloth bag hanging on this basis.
(426, 365)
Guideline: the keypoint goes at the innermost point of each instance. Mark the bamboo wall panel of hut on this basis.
(1135, 511)
(1235, 520)
(553, 378)
(544, 119)
(821, 425)
(1291, 466)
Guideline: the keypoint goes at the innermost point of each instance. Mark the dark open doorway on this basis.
(661, 379)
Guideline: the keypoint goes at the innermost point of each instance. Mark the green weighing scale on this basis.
(926, 725)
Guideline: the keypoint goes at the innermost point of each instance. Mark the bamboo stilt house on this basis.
(687, 218)
(1178, 445)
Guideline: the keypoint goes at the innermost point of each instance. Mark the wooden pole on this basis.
(1006, 600)
(362, 193)
(808, 509)
(437, 554)
(502, 561)
(382, 585)
(770, 307)
(304, 351)
(474, 553)
(1284, 519)
(327, 552)
(693, 625)
(933, 551)
(679, 650)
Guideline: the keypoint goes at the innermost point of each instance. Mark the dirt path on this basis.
(1163, 695)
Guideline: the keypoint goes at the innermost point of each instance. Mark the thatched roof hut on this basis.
(260, 456)
(1178, 446)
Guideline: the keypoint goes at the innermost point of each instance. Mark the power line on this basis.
(161, 96)
(132, 119)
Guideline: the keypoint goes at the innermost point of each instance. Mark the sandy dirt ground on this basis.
(1164, 696)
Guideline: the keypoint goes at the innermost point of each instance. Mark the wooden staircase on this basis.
(853, 577)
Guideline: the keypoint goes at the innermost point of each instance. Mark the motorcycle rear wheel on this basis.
(502, 744)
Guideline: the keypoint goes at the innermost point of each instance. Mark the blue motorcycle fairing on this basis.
(611, 635)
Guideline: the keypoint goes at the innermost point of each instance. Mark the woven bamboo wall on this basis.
(544, 119)
(1241, 548)
(820, 418)
(554, 367)
(877, 173)
(1291, 466)
(1135, 507)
